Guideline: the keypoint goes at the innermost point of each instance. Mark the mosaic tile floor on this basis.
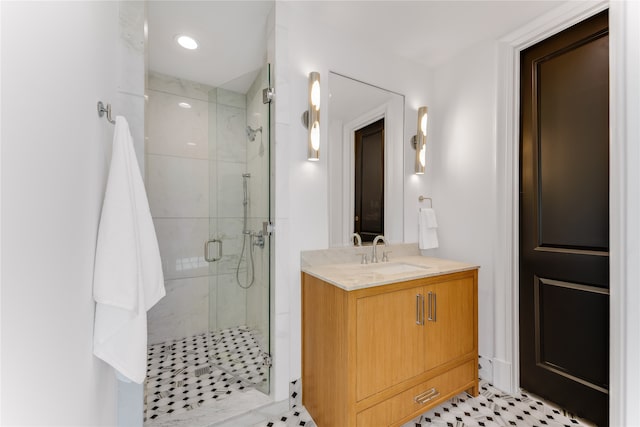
(186, 374)
(491, 408)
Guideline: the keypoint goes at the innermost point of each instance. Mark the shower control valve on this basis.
(258, 239)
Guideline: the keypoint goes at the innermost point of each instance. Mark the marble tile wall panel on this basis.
(177, 131)
(260, 82)
(231, 308)
(231, 135)
(229, 192)
(229, 231)
(181, 242)
(213, 125)
(213, 302)
(258, 188)
(180, 87)
(178, 187)
(232, 99)
(258, 303)
(183, 312)
(257, 116)
(131, 66)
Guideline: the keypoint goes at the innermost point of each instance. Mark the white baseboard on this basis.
(502, 376)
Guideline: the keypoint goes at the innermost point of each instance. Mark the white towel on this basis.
(128, 278)
(427, 225)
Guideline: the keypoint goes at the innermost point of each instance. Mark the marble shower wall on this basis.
(258, 166)
(196, 153)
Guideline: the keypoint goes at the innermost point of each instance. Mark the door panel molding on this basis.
(571, 251)
(540, 359)
(574, 286)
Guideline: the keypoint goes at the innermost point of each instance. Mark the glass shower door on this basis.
(238, 249)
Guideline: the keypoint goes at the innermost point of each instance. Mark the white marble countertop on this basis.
(352, 276)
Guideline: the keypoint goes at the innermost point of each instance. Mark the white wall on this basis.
(58, 60)
(301, 186)
(463, 172)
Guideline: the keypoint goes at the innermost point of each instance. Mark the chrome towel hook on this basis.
(102, 109)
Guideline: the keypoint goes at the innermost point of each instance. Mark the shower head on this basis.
(251, 133)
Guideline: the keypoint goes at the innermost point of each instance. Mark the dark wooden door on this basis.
(369, 181)
(564, 219)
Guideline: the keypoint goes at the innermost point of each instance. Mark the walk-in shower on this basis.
(207, 173)
(207, 176)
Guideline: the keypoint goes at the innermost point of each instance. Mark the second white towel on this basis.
(427, 225)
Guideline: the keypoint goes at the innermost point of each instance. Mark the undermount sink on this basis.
(392, 268)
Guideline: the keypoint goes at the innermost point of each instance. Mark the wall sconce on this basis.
(419, 141)
(311, 117)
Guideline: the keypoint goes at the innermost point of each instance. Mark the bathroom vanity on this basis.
(383, 343)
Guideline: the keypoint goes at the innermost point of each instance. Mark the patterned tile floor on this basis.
(491, 408)
(197, 372)
(186, 374)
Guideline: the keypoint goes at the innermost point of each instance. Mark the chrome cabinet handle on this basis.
(428, 395)
(207, 255)
(432, 306)
(435, 307)
(420, 309)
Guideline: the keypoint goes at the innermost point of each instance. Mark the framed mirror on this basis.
(365, 161)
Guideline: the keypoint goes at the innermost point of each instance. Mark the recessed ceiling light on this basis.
(184, 105)
(186, 42)
(191, 143)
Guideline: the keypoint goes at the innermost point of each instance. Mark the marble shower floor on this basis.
(187, 378)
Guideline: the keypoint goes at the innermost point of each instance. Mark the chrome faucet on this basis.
(374, 256)
(358, 239)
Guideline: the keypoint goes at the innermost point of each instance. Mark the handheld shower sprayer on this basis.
(254, 239)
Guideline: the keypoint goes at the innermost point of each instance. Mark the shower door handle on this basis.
(207, 255)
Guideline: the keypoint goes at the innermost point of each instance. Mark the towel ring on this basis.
(422, 199)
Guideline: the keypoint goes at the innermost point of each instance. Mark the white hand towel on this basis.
(427, 225)
(128, 277)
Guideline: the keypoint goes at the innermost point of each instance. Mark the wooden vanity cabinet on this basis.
(382, 355)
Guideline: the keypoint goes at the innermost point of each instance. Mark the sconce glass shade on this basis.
(313, 117)
(421, 141)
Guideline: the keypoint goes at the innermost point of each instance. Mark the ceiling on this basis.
(427, 32)
(232, 34)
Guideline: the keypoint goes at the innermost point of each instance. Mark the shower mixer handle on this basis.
(207, 255)
(258, 239)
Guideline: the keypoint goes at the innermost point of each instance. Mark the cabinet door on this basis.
(450, 314)
(389, 340)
